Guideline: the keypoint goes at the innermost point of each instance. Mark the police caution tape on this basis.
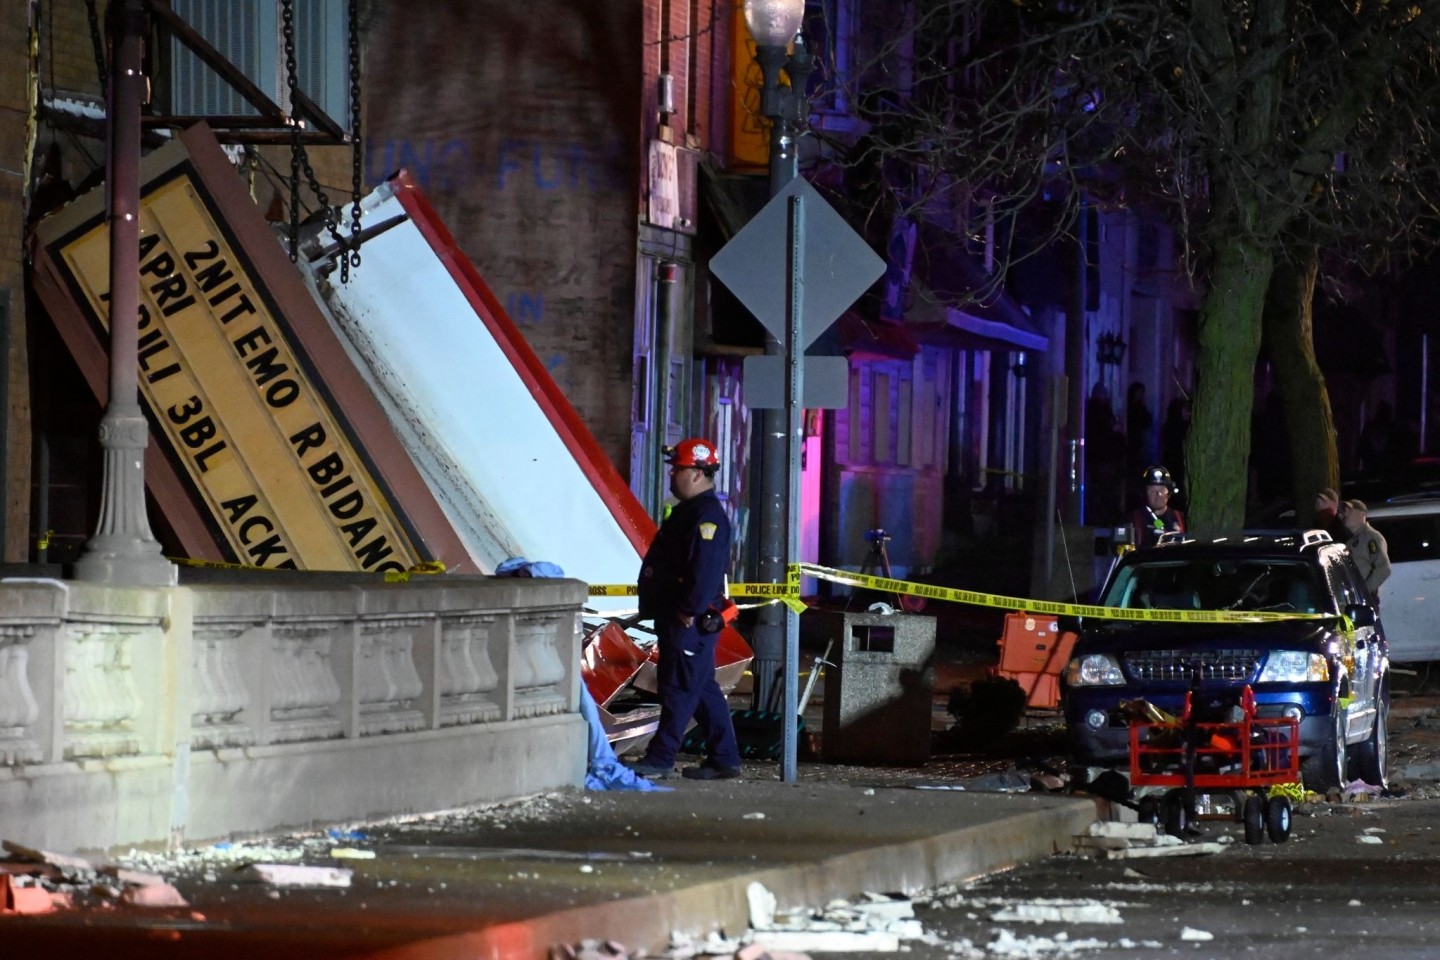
(1051, 607)
(789, 593)
(786, 593)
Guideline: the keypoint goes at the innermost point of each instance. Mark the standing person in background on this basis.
(1367, 546)
(1156, 516)
(682, 588)
(1377, 442)
(1327, 515)
(1104, 460)
(1172, 444)
(1139, 430)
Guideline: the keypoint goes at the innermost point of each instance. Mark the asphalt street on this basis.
(1354, 878)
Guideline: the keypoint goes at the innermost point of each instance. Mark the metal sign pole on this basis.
(794, 400)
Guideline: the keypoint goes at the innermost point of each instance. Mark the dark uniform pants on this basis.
(686, 676)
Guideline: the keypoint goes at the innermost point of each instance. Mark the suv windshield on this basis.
(1283, 586)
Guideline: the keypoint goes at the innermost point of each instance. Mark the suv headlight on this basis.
(1094, 670)
(1294, 666)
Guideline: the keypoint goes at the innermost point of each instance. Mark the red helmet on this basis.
(692, 452)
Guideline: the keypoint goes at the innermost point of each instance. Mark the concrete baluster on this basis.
(488, 679)
(469, 688)
(101, 698)
(522, 667)
(18, 709)
(549, 669)
(457, 676)
(535, 647)
(219, 690)
(408, 686)
(305, 686)
(388, 677)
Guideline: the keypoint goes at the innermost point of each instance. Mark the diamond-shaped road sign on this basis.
(838, 264)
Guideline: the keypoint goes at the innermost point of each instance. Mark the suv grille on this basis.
(1177, 664)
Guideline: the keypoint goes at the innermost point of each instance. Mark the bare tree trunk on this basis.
(1217, 451)
(1289, 340)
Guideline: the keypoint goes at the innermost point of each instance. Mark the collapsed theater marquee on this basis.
(279, 453)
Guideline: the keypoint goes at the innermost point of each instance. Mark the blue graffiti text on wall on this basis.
(525, 308)
(517, 164)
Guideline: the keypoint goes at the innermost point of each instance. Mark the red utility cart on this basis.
(1243, 754)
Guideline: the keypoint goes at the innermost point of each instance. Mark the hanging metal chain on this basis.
(299, 157)
(99, 44)
(357, 153)
(287, 21)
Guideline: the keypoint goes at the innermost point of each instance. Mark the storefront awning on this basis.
(859, 337)
(949, 306)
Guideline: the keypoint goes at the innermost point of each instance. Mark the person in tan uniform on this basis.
(1367, 546)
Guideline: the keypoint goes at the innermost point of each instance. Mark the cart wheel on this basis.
(1254, 819)
(1237, 805)
(1277, 819)
(1175, 816)
(1150, 811)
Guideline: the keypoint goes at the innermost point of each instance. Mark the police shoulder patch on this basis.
(1374, 547)
(707, 531)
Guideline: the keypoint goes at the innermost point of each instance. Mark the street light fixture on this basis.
(774, 23)
(1110, 349)
(775, 26)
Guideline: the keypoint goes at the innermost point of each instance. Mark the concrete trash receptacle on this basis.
(878, 694)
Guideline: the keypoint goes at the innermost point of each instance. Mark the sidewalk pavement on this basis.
(512, 882)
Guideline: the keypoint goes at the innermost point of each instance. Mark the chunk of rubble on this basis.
(1115, 840)
(589, 950)
(757, 952)
(826, 941)
(1042, 912)
(17, 897)
(1006, 944)
(64, 861)
(877, 922)
(682, 946)
(152, 895)
(295, 875)
(139, 878)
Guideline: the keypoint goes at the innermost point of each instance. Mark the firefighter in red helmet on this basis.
(682, 588)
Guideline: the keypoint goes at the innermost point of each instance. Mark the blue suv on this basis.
(1330, 672)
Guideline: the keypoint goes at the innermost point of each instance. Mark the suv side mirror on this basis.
(1361, 614)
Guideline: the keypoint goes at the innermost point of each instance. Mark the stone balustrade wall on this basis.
(216, 709)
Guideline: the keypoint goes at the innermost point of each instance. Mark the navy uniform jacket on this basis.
(684, 569)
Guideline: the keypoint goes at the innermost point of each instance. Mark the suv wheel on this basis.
(1324, 770)
(1372, 756)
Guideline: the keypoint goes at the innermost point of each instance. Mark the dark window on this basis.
(248, 34)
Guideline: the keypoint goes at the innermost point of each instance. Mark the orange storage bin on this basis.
(1032, 653)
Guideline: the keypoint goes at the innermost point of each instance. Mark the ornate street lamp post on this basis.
(123, 551)
(775, 26)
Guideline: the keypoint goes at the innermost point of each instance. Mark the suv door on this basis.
(1349, 588)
